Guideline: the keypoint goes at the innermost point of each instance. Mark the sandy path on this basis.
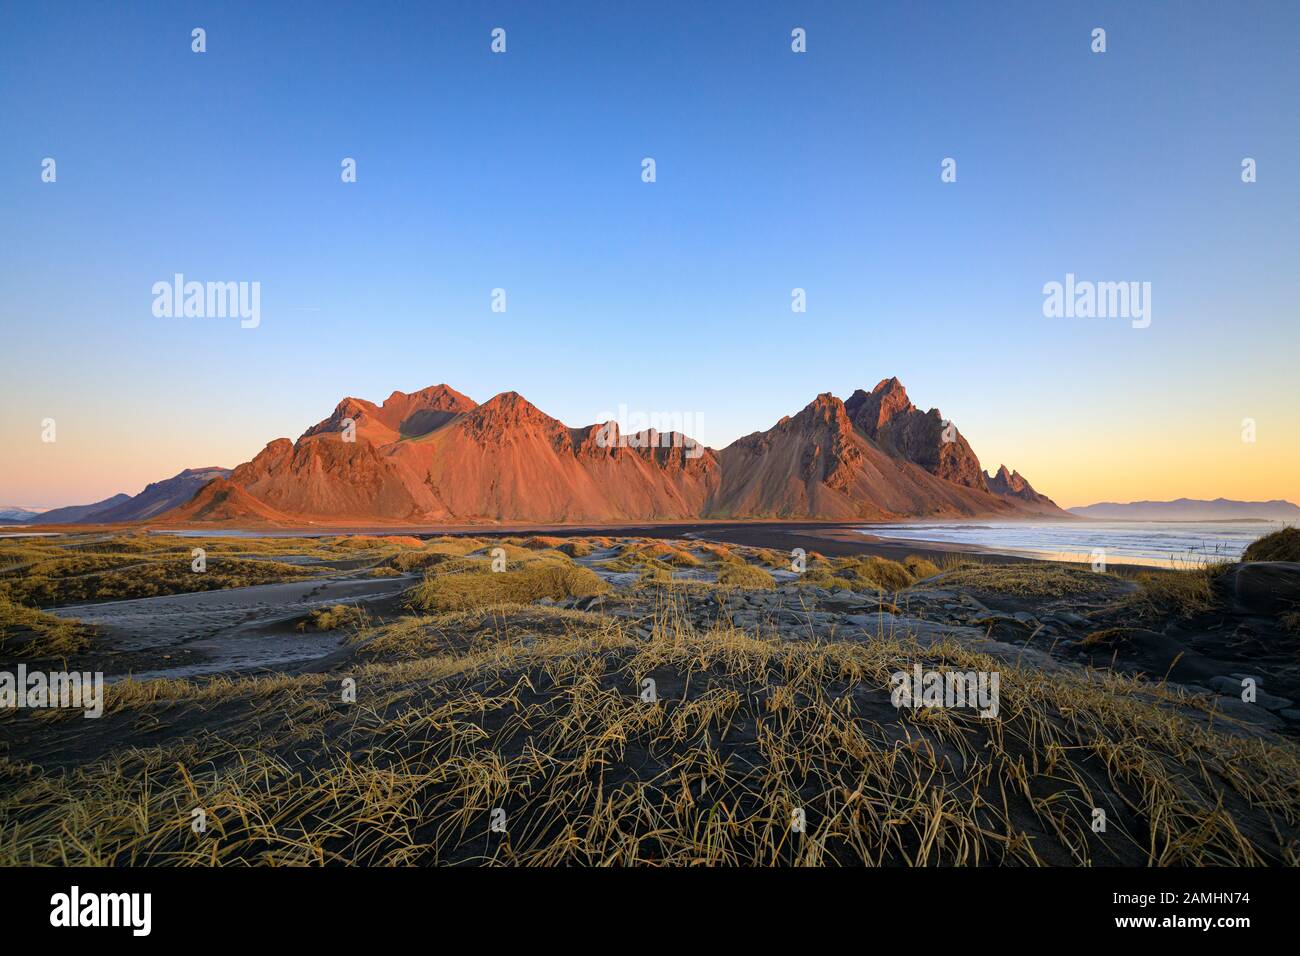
(230, 629)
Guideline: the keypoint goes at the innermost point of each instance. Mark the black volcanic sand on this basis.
(834, 539)
(767, 697)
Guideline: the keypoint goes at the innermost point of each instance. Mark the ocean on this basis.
(1176, 544)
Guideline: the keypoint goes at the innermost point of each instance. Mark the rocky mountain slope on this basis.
(435, 456)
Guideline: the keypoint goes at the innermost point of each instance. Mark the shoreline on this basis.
(832, 538)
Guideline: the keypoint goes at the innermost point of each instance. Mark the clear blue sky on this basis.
(775, 170)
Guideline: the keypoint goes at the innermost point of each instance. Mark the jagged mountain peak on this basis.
(434, 455)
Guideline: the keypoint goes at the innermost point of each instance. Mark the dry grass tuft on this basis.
(1036, 579)
(1282, 545)
(1180, 594)
(919, 567)
(868, 573)
(479, 587)
(744, 576)
(576, 547)
(26, 633)
(720, 552)
(332, 618)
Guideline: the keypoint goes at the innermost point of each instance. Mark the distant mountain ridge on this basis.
(158, 497)
(1191, 509)
(16, 514)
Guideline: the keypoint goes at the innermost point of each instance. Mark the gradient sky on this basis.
(775, 170)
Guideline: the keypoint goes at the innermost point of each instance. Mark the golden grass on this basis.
(720, 552)
(1281, 545)
(491, 701)
(367, 541)
(867, 573)
(334, 617)
(79, 568)
(655, 553)
(433, 553)
(413, 637)
(1030, 579)
(743, 733)
(50, 585)
(919, 567)
(1184, 593)
(745, 576)
(479, 586)
(26, 633)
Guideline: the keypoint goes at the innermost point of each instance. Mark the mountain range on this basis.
(158, 497)
(16, 514)
(1191, 509)
(437, 457)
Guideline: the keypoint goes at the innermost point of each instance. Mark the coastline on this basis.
(831, 538)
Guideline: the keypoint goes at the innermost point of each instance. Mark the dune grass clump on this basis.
(495, 630)
(877, 572)
(480, 587)
(1182, 594)
(719, 552)
(1031, 579)
(745, 577)
(920, 568)
(434, 553)
(45, 587)
(868, 573)
(334, 617)
(655, 576)
(468, 543)
(27, 633)
(515, 553)
(364, 542)
(669, 554)
(541, 542)
(576, 547)
(651, 556)
(1282, 545)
